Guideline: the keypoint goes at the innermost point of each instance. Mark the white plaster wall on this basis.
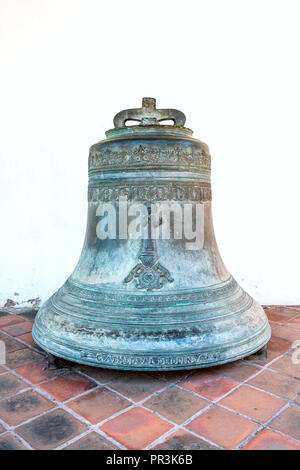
(67, 66)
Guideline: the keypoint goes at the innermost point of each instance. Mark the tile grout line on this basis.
(171, 431)
(135, 405)
(127, 409)
(255, 421)
(86, 433)
(267, 392)
(161, 438)
(217, 402)
(249, 438)
(263, 427)
(16, 338)
(61, 405)
(203, 437)
(175, 425)
(282, 433)
(244, 382)
(266, 426)
(5, 425)
(19, 392)
(180, 427)
(140, 403)
(20, 438)
(74, 439)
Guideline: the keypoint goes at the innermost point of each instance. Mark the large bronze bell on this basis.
(148, 302)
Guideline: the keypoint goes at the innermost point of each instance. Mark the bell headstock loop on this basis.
(148, 115)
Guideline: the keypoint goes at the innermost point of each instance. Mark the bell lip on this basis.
(214, 354)
(139, 130)
(86, 362)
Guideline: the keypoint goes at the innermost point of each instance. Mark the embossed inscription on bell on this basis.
(150, 290)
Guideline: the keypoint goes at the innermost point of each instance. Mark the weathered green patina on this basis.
(150, 304)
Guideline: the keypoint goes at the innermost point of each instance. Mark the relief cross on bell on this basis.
(148, 273)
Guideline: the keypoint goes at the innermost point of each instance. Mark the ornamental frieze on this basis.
(101, 192)
(175, 298)
(142, 155)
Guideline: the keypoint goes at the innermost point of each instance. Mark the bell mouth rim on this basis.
(161, 129)
(229, 353)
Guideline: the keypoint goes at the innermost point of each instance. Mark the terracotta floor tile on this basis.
(19, 328)
(67, 386)
(288, 422)
(9, 385)
(136, 386)
(238, 371)
(9, 442)
(176, 405)
(276, 347)
(24, 357)
(98, 405)
(294, 322)
(171, 376)
(11, 345)
(291, 309)
(276, 383)
(102, 376)
(270, 440)
(51, 430)
(223, 427)
(27, 338)
(29, 314)
(92, 441)
(35, 373)
(286, 365)
(293, 325)
(277, 318)
(289, 333)
(275, 325)
(288, 310)
(183, 440)
(10, 320)
(23, 406)
(136, 428)
(256, 404)
(208, 384)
